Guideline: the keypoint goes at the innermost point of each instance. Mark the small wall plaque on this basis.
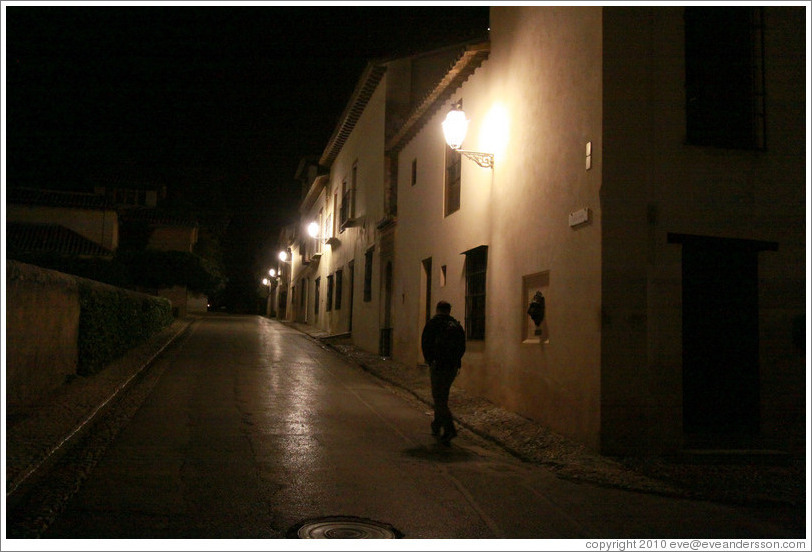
(579, 217)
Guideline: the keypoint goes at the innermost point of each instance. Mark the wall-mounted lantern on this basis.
(314, 231)
(455, 127)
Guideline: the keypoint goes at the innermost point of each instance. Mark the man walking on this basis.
(443, 343)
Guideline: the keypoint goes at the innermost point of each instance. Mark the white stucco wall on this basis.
(363, 149)
(560, 82)
(545, 68)
(534, 103)
(424, 232)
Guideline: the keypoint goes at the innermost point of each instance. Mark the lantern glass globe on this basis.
(455, 127)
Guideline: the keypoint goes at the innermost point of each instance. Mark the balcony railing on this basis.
(347, 212)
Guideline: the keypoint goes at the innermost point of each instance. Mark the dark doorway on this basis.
(385, 343)
(429, 312)
(387, 286)
(352, 292)
(283, 305)
(720, 366)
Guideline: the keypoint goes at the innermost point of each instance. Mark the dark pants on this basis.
(441, 379)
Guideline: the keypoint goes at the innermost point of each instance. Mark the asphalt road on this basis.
(253, 428)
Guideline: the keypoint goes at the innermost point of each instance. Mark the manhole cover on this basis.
(343, 527)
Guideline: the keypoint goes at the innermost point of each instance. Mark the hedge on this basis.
(113, 321)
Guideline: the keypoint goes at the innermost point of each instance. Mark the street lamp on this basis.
(455, 127)
(269, 284)
(272, 273)
(283, 256)
(314, 230)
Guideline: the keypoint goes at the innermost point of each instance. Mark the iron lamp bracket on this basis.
(484, 160)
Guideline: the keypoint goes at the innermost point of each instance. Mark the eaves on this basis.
(366, 86)
(469, 61)
(315, 189)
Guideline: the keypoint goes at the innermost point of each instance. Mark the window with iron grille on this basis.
(476, 267)
(368, 275)
(339, 287)
(724, 77)
(347, 212)
(317, 294)
(303, 258)
(453, 177)
(329, 306)
(343, 210)
(319, 240)
(346, 207)
(336, 214)
(353, 187)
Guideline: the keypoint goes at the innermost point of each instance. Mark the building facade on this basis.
(648, 189)
(342, 280)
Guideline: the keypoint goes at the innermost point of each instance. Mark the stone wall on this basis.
(50, 338)
(42, 331)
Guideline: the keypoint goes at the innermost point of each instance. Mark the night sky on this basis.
(217, 102)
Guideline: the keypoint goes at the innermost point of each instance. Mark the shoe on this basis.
(447, 436)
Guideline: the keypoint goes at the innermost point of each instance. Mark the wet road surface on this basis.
(254, 427)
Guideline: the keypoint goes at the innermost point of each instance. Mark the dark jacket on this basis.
(432, 331)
